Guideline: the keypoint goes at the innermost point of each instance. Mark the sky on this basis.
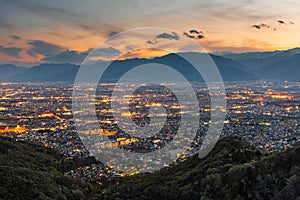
(33, 31)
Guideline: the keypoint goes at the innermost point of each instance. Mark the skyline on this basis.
(40, 31)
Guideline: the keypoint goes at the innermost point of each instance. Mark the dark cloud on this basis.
(67, 56)
(105, 29)
(58, 54)
(260, 26)
(281, 22)
(152, 42)
(256, 26)
(188, 35)
(106, 52)
(194, 34)
(43, 48)
(200, 36)
(192, 31)
(112, 33)
(11, 51)
(172, 36)
(75, 57)
(15, 37)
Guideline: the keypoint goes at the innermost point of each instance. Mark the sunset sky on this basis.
(34, 31)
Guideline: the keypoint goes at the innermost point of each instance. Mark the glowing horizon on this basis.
(47, 31)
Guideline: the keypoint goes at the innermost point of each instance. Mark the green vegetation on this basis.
(233, 170)
(31, 171)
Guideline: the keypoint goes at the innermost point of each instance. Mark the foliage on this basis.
(31, 171)
(233, 170)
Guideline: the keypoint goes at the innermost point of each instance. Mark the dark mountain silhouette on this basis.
(232, 70)
(229, 69)
(47, 72)
(261, 55)
(8, 70)
(286, 69)
(234, 169)
(31, 171)
(233, 67)
(254, 61)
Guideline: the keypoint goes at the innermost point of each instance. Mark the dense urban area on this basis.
(266, 113)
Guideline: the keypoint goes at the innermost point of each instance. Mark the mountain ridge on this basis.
(67, 72)
(233, 67)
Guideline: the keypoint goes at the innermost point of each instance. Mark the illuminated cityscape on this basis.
(264, 112)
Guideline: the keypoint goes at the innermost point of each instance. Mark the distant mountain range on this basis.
(281, 65)
(261, 55)
(9, 70)
(46, 72)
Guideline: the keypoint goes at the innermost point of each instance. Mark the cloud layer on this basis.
(43, 48)
(171, 36)
(11, 51)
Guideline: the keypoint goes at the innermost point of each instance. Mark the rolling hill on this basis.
(31, 171)
(234, 169)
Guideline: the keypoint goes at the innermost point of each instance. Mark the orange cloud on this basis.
(144, 53)
(137, 53)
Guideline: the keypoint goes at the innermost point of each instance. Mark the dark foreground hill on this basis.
(233, 170)
(31, 171)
